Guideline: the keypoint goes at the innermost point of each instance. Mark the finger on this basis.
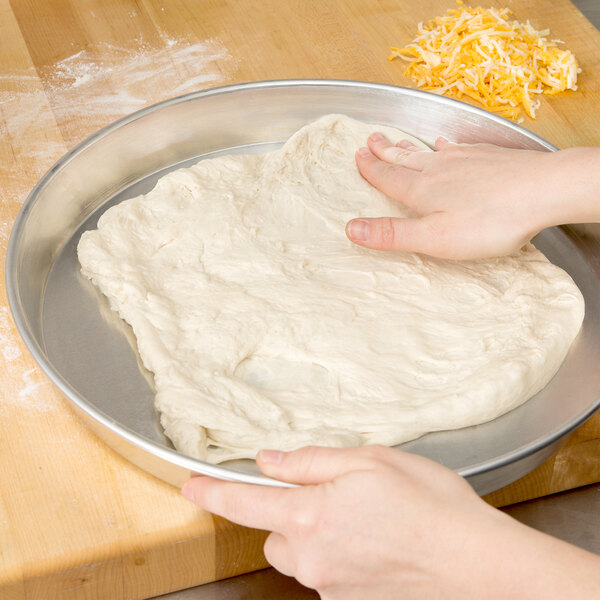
(384, 150)
(407, 145)
(441, 142)
(406, 155)
(279, 555)
(434, 235)
(392, 180)
(257, 506)
(313, 464)
(389, 233)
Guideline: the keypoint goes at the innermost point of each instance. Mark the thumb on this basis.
(388, 233)
(312, 464)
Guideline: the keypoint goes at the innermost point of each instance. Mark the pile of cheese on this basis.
(479, 53)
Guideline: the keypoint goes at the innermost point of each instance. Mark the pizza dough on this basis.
(266, 328)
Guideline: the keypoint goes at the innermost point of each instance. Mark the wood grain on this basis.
(76, 520)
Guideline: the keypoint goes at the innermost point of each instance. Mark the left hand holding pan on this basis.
(373, 522)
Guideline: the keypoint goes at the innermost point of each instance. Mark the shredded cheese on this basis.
(479, 53)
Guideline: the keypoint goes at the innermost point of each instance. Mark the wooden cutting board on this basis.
(76, 520)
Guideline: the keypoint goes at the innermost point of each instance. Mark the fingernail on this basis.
(376, 137)
(363, 152)
(188, 492)
(271, 456)
(358, 230)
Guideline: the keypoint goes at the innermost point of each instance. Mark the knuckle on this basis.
(443, 240)
(304, 519)
(438, 232)
(400, 156)
(235, 507)
(436, 228)
(375, 453)
(312, 573)
(375, 450)
(386, 233)
(413, 190)
(308, 456)
(271, 550)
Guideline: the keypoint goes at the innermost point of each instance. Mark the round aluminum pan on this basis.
(89, 353)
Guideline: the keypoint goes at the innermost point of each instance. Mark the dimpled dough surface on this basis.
(265, 327)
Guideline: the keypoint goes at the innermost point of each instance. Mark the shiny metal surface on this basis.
(89, 353)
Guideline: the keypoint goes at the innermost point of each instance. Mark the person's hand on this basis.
(377, 523)
(473, 201)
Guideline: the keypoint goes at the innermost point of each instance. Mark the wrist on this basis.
(569, 182)
(521, 563)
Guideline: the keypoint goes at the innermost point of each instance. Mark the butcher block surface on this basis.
(76, 520)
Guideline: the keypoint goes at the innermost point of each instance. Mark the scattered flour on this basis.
(30, 393)
(91, 89)
(27, 392)
(8, 341)
(32, 381)
(5, 228)
(102, 83)
(80, 94)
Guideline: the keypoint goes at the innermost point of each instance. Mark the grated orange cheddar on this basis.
(479, 53)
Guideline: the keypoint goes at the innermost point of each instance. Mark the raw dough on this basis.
(266, 328)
